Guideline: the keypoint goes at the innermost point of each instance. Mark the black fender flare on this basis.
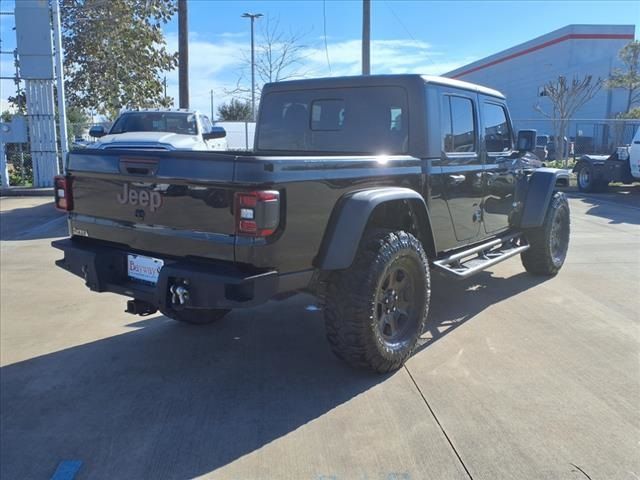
(350, 218)
(542, 183)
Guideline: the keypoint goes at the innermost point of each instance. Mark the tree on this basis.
(115, 52)
(632, 114)
(622, 126)
(77, 122)
(629, 77)
(235, 110)
(279, 56)
(566, 98)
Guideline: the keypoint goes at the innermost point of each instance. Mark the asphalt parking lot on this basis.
(516, 377)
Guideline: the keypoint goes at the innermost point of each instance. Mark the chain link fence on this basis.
(584, 136)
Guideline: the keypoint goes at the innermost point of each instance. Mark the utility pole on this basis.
(183, 54)
(253, 16)
(211, 105)
(62, 112)
(366, 37)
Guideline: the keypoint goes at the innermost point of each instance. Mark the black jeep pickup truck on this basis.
(357, 189)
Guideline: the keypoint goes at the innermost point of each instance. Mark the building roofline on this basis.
(569, 32)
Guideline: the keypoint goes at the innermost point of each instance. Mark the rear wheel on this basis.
(197, 316)
(375, 311)
(587, 181)
(549, 242)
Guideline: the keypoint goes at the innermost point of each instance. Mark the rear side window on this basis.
(497, 134)
(367, 120)
(458, 125)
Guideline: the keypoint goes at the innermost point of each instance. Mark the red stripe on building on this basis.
(571, 36)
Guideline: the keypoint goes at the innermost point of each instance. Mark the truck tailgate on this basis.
(173, 203)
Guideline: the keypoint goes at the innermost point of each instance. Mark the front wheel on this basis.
(376, 310)
(198, 316)
(550, 241)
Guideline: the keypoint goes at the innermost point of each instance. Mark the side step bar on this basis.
(473, 260)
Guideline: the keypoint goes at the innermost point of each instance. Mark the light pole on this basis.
(366, 37)
(183, 55)
(252, 16)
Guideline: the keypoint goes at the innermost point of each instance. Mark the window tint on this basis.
(350, 120)
(497, 134)
(174, 122)
(327, 115)
(458, 125)
(396, 118)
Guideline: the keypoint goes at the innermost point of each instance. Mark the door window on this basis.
(497, 134)
(458, 125)
(206, 124)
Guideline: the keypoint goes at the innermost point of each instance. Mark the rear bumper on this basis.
(222, 285)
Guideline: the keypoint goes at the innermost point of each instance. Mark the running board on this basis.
(473, 260)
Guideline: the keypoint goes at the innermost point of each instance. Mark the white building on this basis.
(575, 50)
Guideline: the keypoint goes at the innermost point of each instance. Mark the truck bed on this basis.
(188, 207)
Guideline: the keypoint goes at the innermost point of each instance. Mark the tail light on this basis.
(257, 213)
(63, 193)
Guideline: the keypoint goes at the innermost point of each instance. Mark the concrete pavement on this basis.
(516, 376)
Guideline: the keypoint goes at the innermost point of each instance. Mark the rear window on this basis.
(369, 120)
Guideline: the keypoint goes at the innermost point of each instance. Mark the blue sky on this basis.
(408, 36)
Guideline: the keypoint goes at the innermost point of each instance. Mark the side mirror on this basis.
(527, 140)
(97, 131)
(216, 132)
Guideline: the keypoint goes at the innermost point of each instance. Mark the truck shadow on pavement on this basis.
(455, 302)
(620, 204)
(168, 400)
(32, 223)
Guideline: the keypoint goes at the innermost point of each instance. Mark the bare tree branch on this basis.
(279, 56)
(567, 97)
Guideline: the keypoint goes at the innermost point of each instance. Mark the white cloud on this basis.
(387, 56)
(218, 65)
(232, 34)
(7, 87)
(4, 105)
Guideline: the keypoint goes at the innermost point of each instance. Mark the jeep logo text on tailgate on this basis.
(144, 198)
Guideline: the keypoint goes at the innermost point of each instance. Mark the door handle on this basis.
(138, 166)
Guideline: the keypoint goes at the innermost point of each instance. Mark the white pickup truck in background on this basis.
(634, 156)
(595, 172)
(160, 130)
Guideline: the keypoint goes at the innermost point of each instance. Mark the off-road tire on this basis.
(587, 182)
(354, 320)
(549, 242)
(197, 316)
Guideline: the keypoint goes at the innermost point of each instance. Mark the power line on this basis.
(324, 23)
(405, 27)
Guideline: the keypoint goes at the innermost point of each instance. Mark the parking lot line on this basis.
(67, 470)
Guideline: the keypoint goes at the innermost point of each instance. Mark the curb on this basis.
(26, 192)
